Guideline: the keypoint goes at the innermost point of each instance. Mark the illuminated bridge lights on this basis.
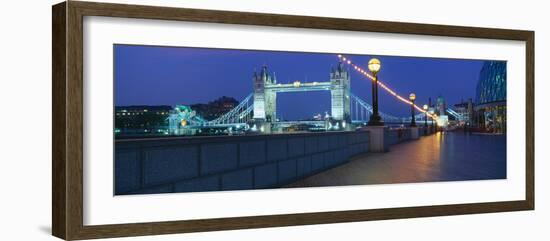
(385, 87)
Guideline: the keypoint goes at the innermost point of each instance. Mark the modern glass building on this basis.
(490, 102)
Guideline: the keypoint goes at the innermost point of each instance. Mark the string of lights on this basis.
(381, 84)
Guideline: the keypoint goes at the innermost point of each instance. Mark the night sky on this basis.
(148, 75)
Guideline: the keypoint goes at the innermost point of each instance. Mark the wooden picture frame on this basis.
(67, 150)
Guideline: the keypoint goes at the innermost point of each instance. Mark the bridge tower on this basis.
(264, 100)
(340, 94)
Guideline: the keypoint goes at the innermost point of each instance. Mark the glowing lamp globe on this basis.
(425, 107)
(412, 97)
(374, 65)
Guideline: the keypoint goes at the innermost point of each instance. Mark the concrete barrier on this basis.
(395, 136)
(184, 164)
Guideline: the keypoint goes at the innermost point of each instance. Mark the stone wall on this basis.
(425, 131)
(395, 136)
(182, 164)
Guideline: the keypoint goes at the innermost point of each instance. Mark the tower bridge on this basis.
(258, 110)
(266, 89)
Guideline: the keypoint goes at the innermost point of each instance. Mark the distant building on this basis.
(441, 111)
(140, 119)
(441, 106)
(216, 108)
(466, 110)
(490, 102)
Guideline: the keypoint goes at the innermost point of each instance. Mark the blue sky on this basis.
(152, 75)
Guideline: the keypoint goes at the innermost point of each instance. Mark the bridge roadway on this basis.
(449, 156)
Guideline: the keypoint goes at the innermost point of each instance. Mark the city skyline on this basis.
(152, 75)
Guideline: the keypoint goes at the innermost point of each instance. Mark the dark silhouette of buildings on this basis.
(140, 117)
(216, 108)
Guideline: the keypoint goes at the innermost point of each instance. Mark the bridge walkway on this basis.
(447, 156)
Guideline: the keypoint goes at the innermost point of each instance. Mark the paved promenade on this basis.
(446, 156)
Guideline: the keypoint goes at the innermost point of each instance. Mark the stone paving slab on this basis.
(446, 156)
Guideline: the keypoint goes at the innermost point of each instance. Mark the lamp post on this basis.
(412, 97)
(375, 119)
(425, 108)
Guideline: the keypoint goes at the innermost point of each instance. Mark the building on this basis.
(490, 102)
(440, 106)
(440, 110)
(216, 108)
(140, 119)
(465, 110)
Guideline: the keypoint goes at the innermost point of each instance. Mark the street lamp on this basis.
(412, 97)
(374, 67)
(425, 108)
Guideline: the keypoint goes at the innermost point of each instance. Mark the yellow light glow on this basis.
(183, 122)
(425, 107)
(412, 97)
(297, 84)
(374, 65)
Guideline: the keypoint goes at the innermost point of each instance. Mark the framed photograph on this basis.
(171, 120)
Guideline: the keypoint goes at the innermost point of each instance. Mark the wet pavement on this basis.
(445, 156)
